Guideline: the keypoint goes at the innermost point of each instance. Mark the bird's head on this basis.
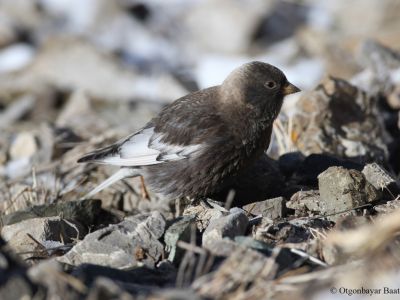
(258, 84)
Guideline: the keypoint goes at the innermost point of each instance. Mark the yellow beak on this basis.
(290, 89)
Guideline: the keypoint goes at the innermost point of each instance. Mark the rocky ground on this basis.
(316, 218)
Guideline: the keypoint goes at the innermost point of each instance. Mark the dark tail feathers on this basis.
(100, 154)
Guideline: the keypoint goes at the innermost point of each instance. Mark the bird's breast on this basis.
(258, 139)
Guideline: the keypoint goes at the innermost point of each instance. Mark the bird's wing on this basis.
(145, 147)
(181, 130)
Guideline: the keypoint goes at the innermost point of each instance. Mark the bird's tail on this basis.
(120, 174)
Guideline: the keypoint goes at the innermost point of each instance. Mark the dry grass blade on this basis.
(309, 257)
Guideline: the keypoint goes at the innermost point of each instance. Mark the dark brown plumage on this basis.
(197, 144)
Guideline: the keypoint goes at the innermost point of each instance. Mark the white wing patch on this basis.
(138, 145)
(146, 148)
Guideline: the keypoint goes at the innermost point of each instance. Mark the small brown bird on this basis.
(202, 140)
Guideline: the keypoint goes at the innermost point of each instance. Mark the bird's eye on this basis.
(270, 84)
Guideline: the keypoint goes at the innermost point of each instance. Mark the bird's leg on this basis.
(143, 190)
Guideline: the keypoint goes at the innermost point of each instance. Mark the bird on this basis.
(197, 144)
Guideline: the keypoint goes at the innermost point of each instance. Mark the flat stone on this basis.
(203, 215)
(342, 189)
(283, 232)
(229, 226)
(305, 201)
(53, 230)
(294, 231)
(271, 208)
(180, 230)
(132, 242)
(380, 178)
(84, 212)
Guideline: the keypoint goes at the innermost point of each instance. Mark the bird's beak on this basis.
(290, 89)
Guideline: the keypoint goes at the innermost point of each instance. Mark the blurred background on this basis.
(131, 57)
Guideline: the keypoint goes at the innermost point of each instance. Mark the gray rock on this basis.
(272, 208)
(340, 119)
(235, 210)
(294, 231)
(224, 247)
(342, 189)
(84, 212)
(305, 201)
(132, 242)
(376, 55)
(180, 230)
(203, 215)
(283, 232)
(379, 62)
(380, 178)
(50, 232)
(229, 226)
